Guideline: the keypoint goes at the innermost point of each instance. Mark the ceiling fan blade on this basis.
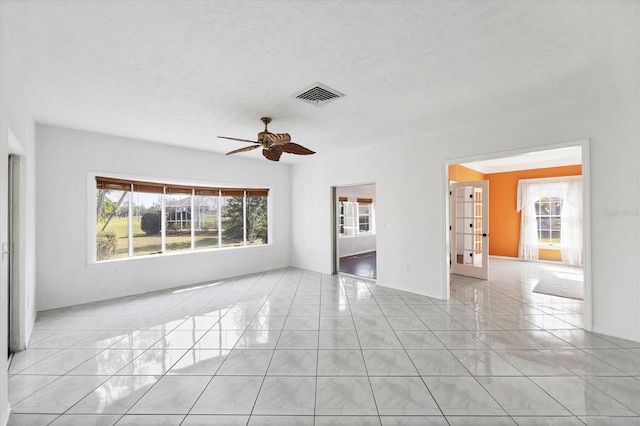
(239, 140)
(277, 138)
(245, 149)
(272, 153)
(294, 148)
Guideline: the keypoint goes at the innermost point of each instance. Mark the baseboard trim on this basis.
(607, 332)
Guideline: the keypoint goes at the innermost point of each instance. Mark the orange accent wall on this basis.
(464, 174)
(504, 220)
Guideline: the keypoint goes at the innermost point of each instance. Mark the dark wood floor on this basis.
(362, 265)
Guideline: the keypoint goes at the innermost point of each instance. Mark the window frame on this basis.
(366, 215)
(540, 217)
(348, 216)
(92, 215)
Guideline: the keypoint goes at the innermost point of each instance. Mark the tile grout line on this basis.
(373, 395)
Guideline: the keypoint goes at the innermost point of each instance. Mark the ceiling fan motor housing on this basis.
(266, 121)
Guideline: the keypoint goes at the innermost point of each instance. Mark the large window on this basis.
(143, 218)
(548, 217)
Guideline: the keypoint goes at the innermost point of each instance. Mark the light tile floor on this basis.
(292, 347)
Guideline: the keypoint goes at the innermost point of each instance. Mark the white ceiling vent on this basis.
(318, 94)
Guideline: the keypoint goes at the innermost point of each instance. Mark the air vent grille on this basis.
(318, 94)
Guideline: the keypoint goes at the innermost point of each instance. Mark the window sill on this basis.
(164, 256)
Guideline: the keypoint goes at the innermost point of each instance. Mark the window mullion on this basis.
(219, 218)
(131, 220)
(244, 218)
(163, 227)
(193, 228)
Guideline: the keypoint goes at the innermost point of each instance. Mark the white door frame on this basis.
(584, 144)
(15, 277)
(335, 257)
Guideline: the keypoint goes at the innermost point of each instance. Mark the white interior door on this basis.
(469, 206)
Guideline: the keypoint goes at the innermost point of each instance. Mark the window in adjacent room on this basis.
(355, 217)
(364, 215)
(341, 214)
(548, 217)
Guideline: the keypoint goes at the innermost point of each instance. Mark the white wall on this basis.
(349, 246)
(16, 119)
(67, 157)
(410, 200)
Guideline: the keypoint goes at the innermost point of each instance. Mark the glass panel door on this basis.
(470, 228)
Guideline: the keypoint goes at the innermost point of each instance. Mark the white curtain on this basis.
(571, 217)
(570, 190)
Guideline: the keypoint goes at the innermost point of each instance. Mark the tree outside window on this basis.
(112, 227)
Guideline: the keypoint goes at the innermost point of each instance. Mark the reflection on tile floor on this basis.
(296, 347)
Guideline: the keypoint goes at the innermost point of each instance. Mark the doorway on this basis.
(561, 156)
(355, 230)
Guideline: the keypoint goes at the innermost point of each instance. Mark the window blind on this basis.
(114, 184)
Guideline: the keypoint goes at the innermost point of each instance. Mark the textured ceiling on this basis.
(183, 72)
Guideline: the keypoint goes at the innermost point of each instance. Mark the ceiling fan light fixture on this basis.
(272, 144)
(318, 94)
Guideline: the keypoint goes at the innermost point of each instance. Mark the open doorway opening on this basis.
(355, 230)
(8, 255)
(12, 249)
(538, 212)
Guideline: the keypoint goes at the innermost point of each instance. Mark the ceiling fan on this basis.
(272, 144)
